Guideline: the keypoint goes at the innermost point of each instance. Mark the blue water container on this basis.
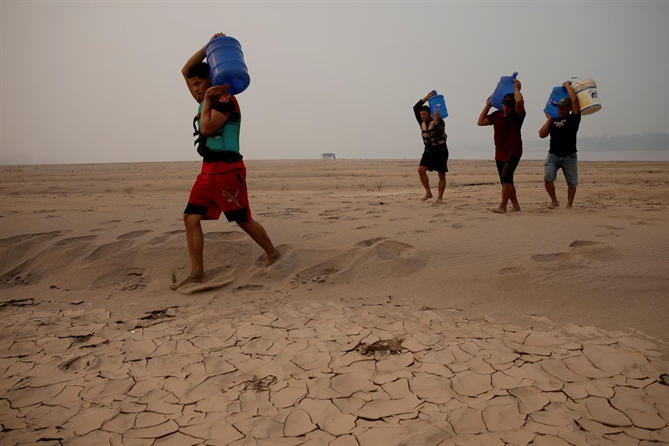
(226, 64)
(556, 96)
(504, 87)
(438, 103)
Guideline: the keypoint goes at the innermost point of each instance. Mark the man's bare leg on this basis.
(571, 193)
(195, 240)
(506, 192)
(442, 186)
(550, 188)
(514, 198)
(259, 235)
(425, 181)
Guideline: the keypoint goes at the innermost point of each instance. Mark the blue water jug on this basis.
(557, 94)
(226, 64)
(437, 103)
(504, 87)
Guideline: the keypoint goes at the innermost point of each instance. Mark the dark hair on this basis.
(510, 97)
(200, 70)
(425, 108)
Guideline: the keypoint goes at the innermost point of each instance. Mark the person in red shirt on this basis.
(508, 142)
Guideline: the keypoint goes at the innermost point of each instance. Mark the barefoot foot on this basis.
(439, 200)
(568, 206)
(499, 211)
(426, 197)
(515, 209)
(193, 278)
(553, 204)
(272, 258)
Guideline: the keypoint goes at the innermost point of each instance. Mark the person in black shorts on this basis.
(508, 142)
(435, 155)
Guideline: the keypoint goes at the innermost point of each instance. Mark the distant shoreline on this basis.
(583, 158)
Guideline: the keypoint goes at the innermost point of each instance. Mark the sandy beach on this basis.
(547, 326)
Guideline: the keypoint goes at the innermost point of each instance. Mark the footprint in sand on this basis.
(110, 222)
(439, 221)
(587, 249)
(232, 236)
(315, 235)
(511, 271)
(553, 257)
(582, 243)
(391, 249)
(595, 250)
(415, 231)
(608, 234)
(131, 235)
(457, 226)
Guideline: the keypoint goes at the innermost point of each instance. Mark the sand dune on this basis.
(356, 228)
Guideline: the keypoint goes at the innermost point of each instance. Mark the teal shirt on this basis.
(226, 138)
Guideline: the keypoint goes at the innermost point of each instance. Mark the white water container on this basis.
(586, 93)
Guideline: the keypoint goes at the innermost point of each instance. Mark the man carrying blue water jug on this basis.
(221, 185)
(562, 151)
(435, 155)
(508, 142)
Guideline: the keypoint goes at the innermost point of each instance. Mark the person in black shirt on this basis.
(435, 155)
(562, 152)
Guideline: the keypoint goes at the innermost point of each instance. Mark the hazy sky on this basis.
(101, 81)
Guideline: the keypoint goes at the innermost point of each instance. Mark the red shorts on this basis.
(220, 187)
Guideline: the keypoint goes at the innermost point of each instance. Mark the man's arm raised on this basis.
(518, 96)
(483, 117)
(575, 106)
(195, 59)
